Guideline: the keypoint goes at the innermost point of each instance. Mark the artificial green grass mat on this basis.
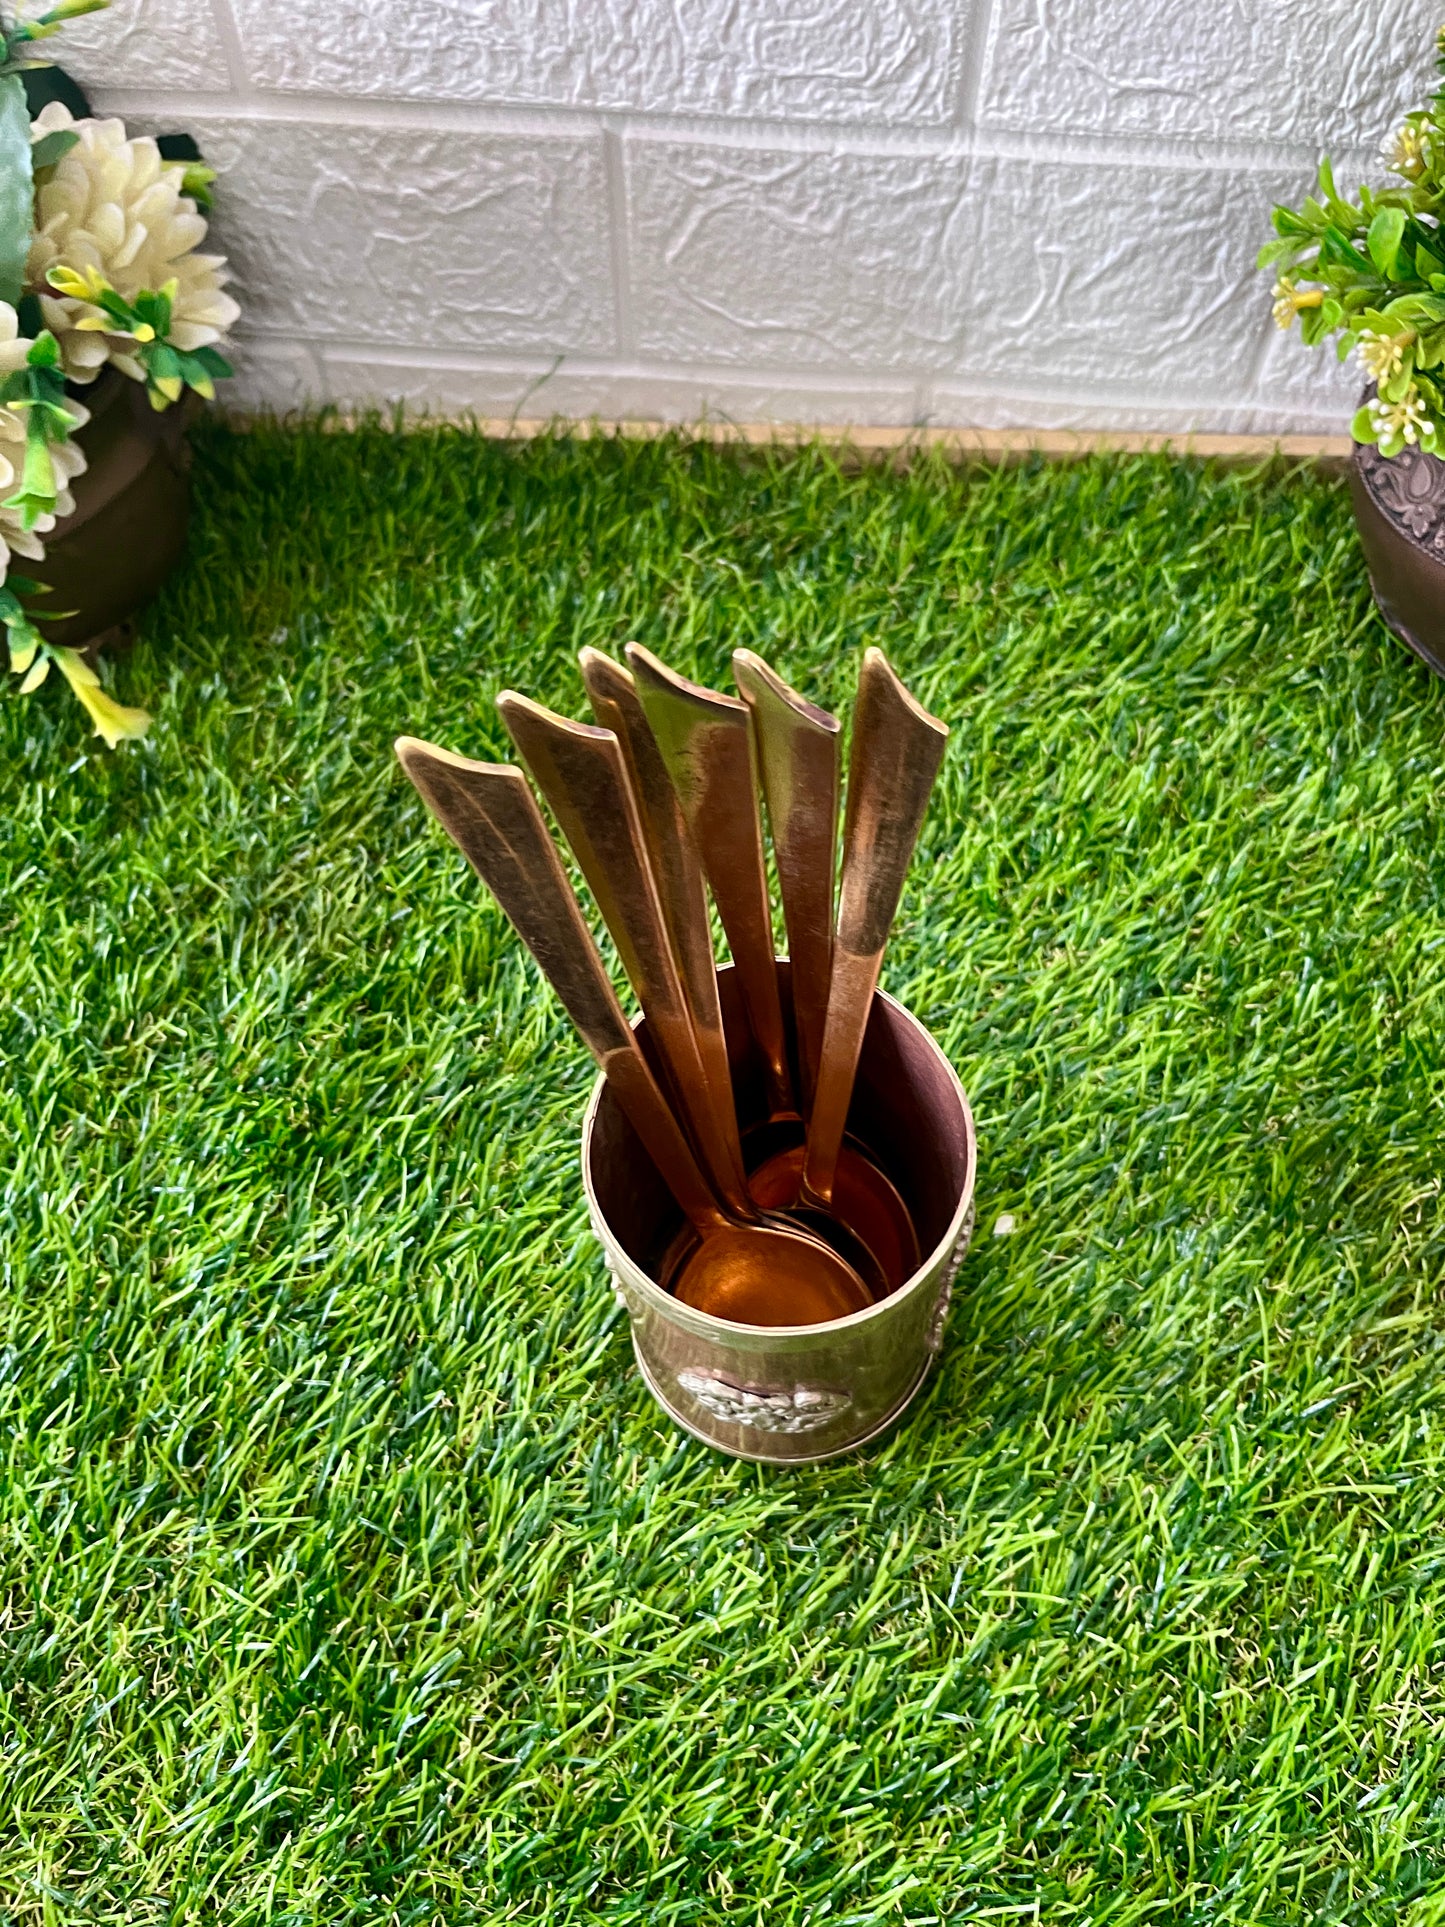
(347, 1571)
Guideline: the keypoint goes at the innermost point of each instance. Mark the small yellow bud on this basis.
(1288, 300)
(83, 284)
(112, 720)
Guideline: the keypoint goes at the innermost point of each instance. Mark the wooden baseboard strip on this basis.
(996, 445)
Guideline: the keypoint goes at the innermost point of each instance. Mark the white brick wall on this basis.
(1005, 213)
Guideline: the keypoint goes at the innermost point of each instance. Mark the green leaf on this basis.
(214, 362)
(194, 375)
(1362, 427)
(17, 189)
(23, 639)
(36, 495)
(1387, 230)
(116, 306)
(53, 147)
(1288, 223)
(196, 181)
(197, 178)
(1410, 311)
(1274, 251)
(44, 351)
(1340, 211)
(154, 309)
(1400, 383)
(71, 10)
(1339, 252)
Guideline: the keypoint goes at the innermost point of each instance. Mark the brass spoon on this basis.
(798, 756)
(797, 753)
(706, 740)
(673, 861)
(759, 1274)
(581, 772)
(707, 745)
(897, 750)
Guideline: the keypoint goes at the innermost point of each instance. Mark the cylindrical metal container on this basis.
(795, 1394)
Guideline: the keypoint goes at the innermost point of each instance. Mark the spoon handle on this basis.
(491, 815)
(897, 749)
(706, 741)
(673, 859)
(581, 772)
(798, 758)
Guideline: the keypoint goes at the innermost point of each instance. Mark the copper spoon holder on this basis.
(791, 1395)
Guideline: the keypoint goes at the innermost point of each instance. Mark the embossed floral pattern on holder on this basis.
(1408, 488)
(764, 1408)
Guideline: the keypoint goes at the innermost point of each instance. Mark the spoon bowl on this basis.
(766, 1275)
(864, 1201)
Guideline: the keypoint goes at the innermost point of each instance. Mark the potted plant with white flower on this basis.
(111, 319)
(1371, 275)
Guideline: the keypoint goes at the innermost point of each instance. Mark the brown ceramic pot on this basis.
(1400, 513)
(109, 558)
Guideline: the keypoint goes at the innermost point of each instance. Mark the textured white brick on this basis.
(277, 375)
(957, 406)
(807, 59)
(1304, 380)
(479, 241)
(610, 394)
(1024, 270)
(145, 43)
(798, 259)
(1327, 74)
(1142, 276)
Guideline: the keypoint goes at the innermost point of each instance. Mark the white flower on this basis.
(1404, 152)
(1383, 356)
(14, 346)
(1402, 421)
(113, 204)
(67, 457)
